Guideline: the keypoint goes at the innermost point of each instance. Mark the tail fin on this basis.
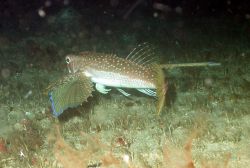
(161, 87)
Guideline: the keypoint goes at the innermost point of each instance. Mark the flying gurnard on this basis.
(106, 71)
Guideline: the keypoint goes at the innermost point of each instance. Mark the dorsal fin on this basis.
(143, 54)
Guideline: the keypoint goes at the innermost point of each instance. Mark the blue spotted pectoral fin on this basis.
(101, 88)
(148, 92)
(71, 91)
(123, 92)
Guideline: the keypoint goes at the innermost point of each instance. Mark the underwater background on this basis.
(206, 119)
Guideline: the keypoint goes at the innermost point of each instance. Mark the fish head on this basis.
(76, 63)
(72, 62)
(82, 61)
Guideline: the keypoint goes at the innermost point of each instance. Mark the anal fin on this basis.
(148, 92)
(123, 92)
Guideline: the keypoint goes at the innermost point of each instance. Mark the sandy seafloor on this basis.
(206, 122)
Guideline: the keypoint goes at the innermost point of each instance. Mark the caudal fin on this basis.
(161, 87)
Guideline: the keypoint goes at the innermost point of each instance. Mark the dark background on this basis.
(14, 12)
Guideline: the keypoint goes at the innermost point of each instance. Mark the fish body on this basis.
(134, 71)
(112, 71)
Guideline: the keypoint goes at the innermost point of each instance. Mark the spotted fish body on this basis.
(113, 71)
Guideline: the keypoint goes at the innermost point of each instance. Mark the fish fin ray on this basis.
(142, 55)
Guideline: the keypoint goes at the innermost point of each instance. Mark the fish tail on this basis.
(161, 87)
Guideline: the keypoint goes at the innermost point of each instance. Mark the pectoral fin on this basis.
(101, 88)
(70, 91)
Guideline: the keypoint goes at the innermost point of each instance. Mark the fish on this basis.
(107, 71)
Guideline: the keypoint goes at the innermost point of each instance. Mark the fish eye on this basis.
(67, 59)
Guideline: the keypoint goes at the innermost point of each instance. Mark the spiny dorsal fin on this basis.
(143, 54)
